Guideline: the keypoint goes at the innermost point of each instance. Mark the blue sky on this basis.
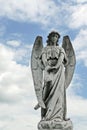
(20, 22)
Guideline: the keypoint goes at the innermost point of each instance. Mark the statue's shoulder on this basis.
(62, 50)
(46, 48)
(59, 49)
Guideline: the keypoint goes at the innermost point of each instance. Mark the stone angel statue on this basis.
(52, 70)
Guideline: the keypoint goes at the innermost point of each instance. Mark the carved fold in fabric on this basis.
(53, 92)
(52, 70)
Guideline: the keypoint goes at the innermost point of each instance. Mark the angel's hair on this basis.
(49, 36)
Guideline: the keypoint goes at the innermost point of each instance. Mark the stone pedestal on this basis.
(51, 125)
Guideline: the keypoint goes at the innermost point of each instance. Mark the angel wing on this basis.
(69, 68)
(37, 71)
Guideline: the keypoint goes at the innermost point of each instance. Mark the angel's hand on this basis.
(58, 63)
(43, 106)
(60, 60)
(38, 106)
(47, 68)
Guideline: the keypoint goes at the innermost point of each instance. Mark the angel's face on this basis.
(54, 39)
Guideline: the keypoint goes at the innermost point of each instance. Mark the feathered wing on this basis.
(69, 68)
(37, 71)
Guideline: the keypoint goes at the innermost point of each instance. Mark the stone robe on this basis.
(54, 94)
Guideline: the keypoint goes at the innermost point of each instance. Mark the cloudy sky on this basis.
(20, 22)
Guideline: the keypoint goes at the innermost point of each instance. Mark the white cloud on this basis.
(77, 112)
(26, 10)
(23, 54)
(19, 116)
(21, 51)
(13, 77)
(17, 98)
(46, 12)
(76, 104)
(81, 1)
(6, 57)
(80, 45)
(14, 43)
(78, 17)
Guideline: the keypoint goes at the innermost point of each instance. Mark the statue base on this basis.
(53, 125)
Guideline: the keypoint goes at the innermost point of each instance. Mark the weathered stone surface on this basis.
(52, 70)
(64, 125)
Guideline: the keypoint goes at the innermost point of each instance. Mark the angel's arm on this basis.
(44, 60)
(62, 58)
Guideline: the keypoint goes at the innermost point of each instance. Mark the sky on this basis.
(20, 22)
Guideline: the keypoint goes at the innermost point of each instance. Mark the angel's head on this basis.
(53, 38)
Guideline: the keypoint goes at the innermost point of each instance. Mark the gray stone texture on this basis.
(52, 70)
(64, 125)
